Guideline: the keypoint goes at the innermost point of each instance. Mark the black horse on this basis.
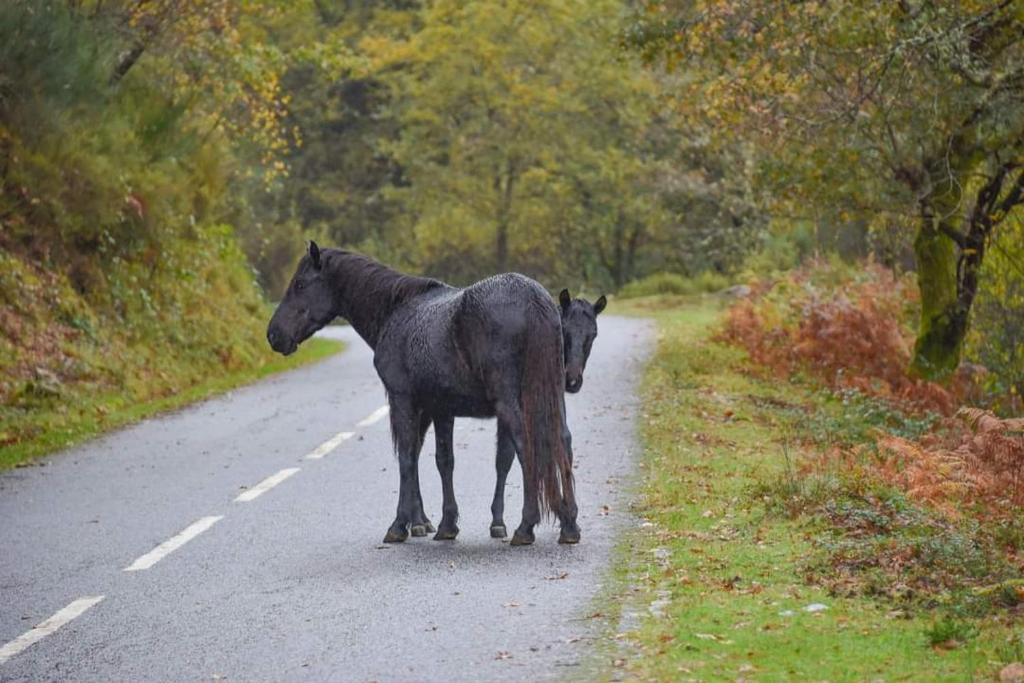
(579, 330)
(493, 349)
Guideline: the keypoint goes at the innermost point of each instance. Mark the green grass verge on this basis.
(60, 425)
(716, 583)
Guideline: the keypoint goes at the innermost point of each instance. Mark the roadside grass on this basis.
(749, 566)
(70, 420)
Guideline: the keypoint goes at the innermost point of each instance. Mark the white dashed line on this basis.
(329, 445)
(265, 485)
(45, 628)
(169, 546)
(373, 417)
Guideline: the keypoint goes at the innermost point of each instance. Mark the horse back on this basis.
(447, 348)
(497, 316)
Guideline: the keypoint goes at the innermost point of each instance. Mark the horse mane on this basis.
(380, 288)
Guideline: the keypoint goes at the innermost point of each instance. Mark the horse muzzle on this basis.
(280, 342)
(573, 384)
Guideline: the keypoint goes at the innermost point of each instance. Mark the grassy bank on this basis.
(60, 424)
(746, 567)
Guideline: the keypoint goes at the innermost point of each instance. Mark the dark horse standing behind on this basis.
(493, 349)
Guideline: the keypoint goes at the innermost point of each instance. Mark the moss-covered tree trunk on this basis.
(943, 325)
(949, 259)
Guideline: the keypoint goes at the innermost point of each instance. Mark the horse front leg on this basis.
(444, 427)
(405, 426)
(506, 453)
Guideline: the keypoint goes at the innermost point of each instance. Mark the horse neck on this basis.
(369, 292)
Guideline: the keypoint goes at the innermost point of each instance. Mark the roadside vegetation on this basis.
(128, 132)
(808, 510)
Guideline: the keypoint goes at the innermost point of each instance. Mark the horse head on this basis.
(308, 304)
(579, 329)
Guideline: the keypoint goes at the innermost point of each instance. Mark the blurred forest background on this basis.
(163, 162)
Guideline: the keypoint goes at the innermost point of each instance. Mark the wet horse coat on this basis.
(579, 330)
(493, 349)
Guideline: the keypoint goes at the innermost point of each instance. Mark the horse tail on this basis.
(548, 459)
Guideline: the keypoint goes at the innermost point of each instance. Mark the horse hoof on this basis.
(418, 530)
(522, 538)
(569, 537)
(498, 531)
(446, 534)
(395, 536)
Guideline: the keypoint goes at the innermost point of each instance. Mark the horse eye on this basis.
(299, 286)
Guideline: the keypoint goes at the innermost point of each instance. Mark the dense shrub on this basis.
(851, 330)
(975, 464)
(117, 273)
(848, 327)
(674, 284)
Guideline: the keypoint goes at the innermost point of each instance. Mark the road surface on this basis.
(240, 539)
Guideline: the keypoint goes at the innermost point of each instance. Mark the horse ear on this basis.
(564, 299)
(600, 304)
(314, 254)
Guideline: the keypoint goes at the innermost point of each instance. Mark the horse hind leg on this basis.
(510, 418)
(405, 426)
(421, 525)
(447, 530)
(506, 453)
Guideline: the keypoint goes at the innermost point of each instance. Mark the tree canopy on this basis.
(909, 113)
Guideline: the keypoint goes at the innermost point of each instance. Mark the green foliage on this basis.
(458, 140)
(121, 283)
(997, 338)
(827, 103)
(848, 418)
(672, 283)
(950, 632)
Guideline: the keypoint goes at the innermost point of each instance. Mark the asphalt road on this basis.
(290, 580)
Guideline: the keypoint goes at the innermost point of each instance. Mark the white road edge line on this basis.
(373, 417)
(329, 445)
(170, 545)
(48, 626)
(265, 485)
